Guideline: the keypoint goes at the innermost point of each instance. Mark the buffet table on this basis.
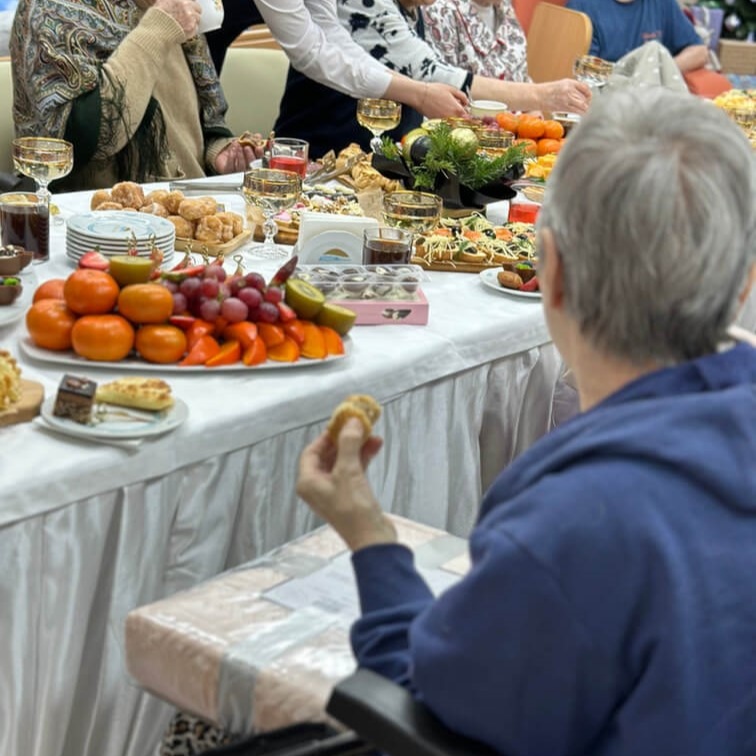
(90, 530)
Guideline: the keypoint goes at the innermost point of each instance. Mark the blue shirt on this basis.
(619, 27)
(610, 608)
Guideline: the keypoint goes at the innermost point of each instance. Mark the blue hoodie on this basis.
(611, 605)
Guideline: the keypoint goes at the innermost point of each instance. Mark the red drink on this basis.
(289, 163)
(521, 212)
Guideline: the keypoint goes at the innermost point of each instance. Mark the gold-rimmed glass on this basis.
(44, 159)
(417, 212)
(494, 142)
(593, 71)
(271, 191)
(378, 116)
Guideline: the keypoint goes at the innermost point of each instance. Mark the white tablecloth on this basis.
(90, 531)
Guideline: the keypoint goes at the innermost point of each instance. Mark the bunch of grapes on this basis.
(212, 294)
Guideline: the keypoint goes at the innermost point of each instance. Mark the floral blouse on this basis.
(462, 37)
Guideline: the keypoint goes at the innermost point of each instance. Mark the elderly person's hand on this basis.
(441, 100)
(234, 158)
(565, 95)
(332, 481)
(185, 12)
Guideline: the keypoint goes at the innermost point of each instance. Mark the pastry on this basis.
(195, 208)
(361, 406)
(10, 380)
(138, 392)
(128, 193)
(75, 399)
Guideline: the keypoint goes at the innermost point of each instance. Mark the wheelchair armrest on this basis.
(387, 716)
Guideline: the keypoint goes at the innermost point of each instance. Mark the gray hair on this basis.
(652, 205)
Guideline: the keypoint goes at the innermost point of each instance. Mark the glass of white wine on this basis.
(271, 191)
(593, 71)
(417, 212)
(44, 159)
(378, 116)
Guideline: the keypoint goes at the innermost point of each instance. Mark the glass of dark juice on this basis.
(25, 221)
(386, 246)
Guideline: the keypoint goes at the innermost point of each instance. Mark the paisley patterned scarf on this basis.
(58, 48)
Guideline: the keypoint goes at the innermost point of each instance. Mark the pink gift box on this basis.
(389, 312)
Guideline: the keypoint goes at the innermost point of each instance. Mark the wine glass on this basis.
(271, 191)
(44, 159)
(378, 116)
(593, 71)
(412, 211)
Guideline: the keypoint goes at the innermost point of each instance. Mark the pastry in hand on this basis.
(360, 406)
(140, 393)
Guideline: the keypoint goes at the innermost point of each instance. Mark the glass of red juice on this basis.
(386, 246)
(289, 155)
(25, 221)
(523, 212)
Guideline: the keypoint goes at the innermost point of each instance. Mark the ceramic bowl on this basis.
(9, 293)
(481, 108)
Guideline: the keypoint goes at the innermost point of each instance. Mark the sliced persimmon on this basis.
(314, 345)
(286, 351)
(244, 332)
(256, 353)
(334, 344)
(271, 334)
(294, 330)
(229, 353)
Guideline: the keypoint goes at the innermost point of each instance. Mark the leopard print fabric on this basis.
(188, 735)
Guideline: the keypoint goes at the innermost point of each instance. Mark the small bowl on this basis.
(568, 120)
(9, 293)
(10, 265)
(491, 108)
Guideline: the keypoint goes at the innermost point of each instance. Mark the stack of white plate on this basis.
(114, 232)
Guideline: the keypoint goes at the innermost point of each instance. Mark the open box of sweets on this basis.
(379, 294)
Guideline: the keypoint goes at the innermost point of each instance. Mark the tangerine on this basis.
(553, 130)
(530, 145)
(160, 343)
(508, 121)
(50, 323)
(145, 303)
(103, 338)
(90, 292)
(52, 289)
(548, 146)
(530, 127)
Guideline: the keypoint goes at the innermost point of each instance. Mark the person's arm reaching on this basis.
(318, 46)
(692, 58)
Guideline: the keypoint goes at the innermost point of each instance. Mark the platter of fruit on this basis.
(510, 281)
(192, 318)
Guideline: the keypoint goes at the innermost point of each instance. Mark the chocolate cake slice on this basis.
(75, 399)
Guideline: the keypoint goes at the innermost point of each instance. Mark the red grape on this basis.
(237, 283)
(190, 287)
(250, 296)
(209, 287)
(256, 280)
(234, 310)
(215, 271)
(179, 303)
(267, 313)
(210, 309)
(172, 286)
(273, 294)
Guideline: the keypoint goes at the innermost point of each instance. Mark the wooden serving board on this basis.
(453, 267)
(27, 407)
(214, 250)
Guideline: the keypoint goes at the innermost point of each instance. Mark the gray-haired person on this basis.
(610, 606)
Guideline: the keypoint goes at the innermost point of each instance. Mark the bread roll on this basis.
(361, 406)
(509, 280)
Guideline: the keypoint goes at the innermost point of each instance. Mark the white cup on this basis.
(482, 108)
(212, 15)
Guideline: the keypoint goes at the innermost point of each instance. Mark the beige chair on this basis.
(7, 132)
(253, 79)
(556, 36)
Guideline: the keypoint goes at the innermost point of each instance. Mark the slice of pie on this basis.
(138, 392)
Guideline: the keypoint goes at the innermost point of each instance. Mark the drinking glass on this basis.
(593, 71)
(386, 246)
(44, 159)
(289, 155)
(25, 222)
(271, 191)
(494, 142)
(378, 116)
(413, 211)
